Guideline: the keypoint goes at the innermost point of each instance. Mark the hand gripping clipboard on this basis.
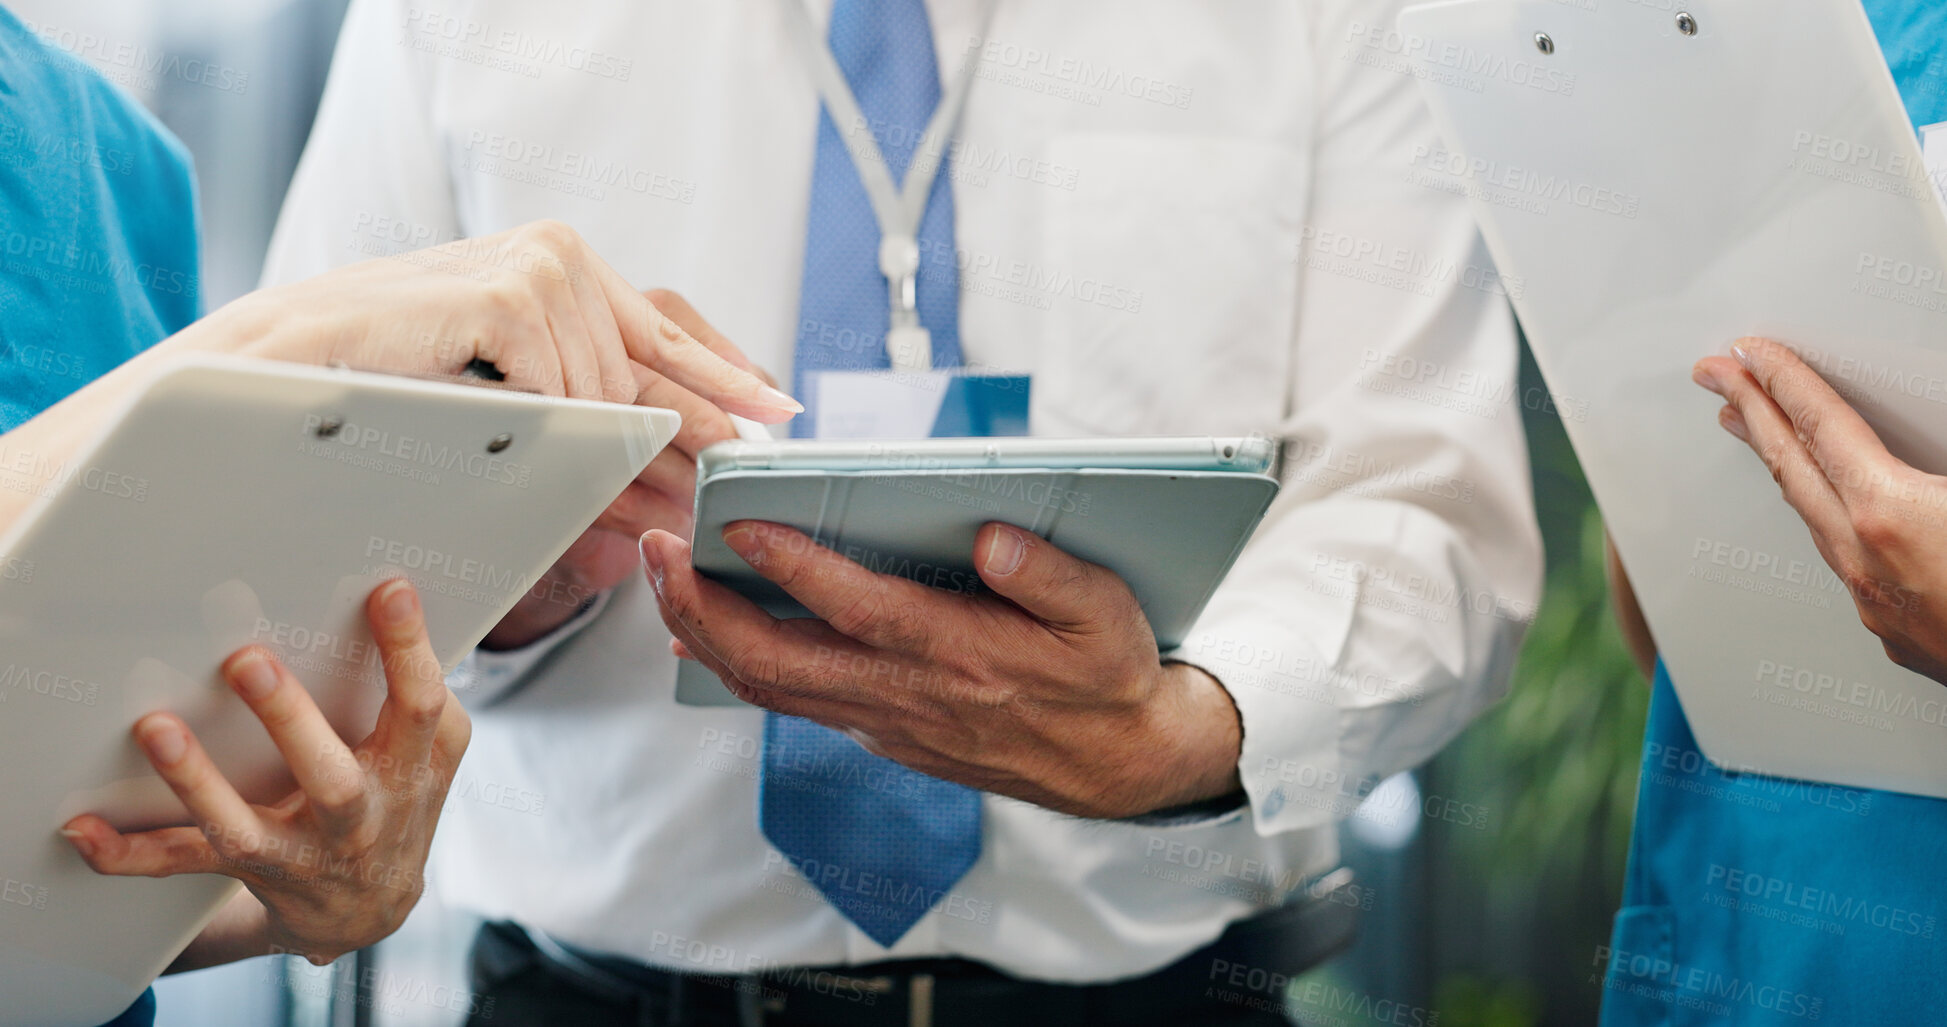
(1656, 181)
(235, 502)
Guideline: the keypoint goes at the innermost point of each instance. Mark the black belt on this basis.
(1244, 970)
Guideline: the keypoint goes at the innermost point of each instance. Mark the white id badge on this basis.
(950, 403)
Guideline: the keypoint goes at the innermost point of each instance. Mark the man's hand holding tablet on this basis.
(1050, 690)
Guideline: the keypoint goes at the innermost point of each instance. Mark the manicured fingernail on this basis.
(253, 675)
(166, 742)
(1743, 356)
(399, 603)
(1705, 379)
(1004, 557)
(652, 561)
(779, 400)
(79, 841)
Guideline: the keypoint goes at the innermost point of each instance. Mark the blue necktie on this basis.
(881, 842)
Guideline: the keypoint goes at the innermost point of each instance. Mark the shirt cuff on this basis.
(483, 678)
(1287, 699)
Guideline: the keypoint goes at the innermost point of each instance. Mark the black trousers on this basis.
(1236, 981)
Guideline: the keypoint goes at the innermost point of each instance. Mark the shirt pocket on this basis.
(1635, 981)
(1179, 313)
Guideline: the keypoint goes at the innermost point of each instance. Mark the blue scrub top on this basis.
(97, 227)
(97, 238)
(1758, 900)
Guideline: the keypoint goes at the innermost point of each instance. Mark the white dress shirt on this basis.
(1214, 218)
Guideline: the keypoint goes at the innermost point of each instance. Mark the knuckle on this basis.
(751, 661)
(1773, 455)
(665, 300)
(230, 846)
(864, 610)
(460, 725)
(743, 690)
(1874, 527)
(553, 235)
(423, 707)
(902, 627)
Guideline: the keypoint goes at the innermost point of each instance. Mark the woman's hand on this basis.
(662, 496)
(1878, 522)
(338, 863)
(535, 302)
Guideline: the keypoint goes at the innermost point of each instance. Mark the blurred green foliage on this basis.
(1499, 925)
(1521, 907)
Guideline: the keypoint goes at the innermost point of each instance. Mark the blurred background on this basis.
(1493, 918)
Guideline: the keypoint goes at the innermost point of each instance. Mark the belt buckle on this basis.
(919, 1000)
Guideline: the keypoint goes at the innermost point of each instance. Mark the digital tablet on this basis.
(1167, 514)
(1655, 182)
(235, 502)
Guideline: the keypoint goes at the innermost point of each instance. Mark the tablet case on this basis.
(238, 502)
(1656, 181)
(1172, 535)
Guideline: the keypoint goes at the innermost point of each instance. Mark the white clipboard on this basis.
(1656, 181)
(236, 502)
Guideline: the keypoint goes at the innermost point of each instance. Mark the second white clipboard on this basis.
(1655, 183)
